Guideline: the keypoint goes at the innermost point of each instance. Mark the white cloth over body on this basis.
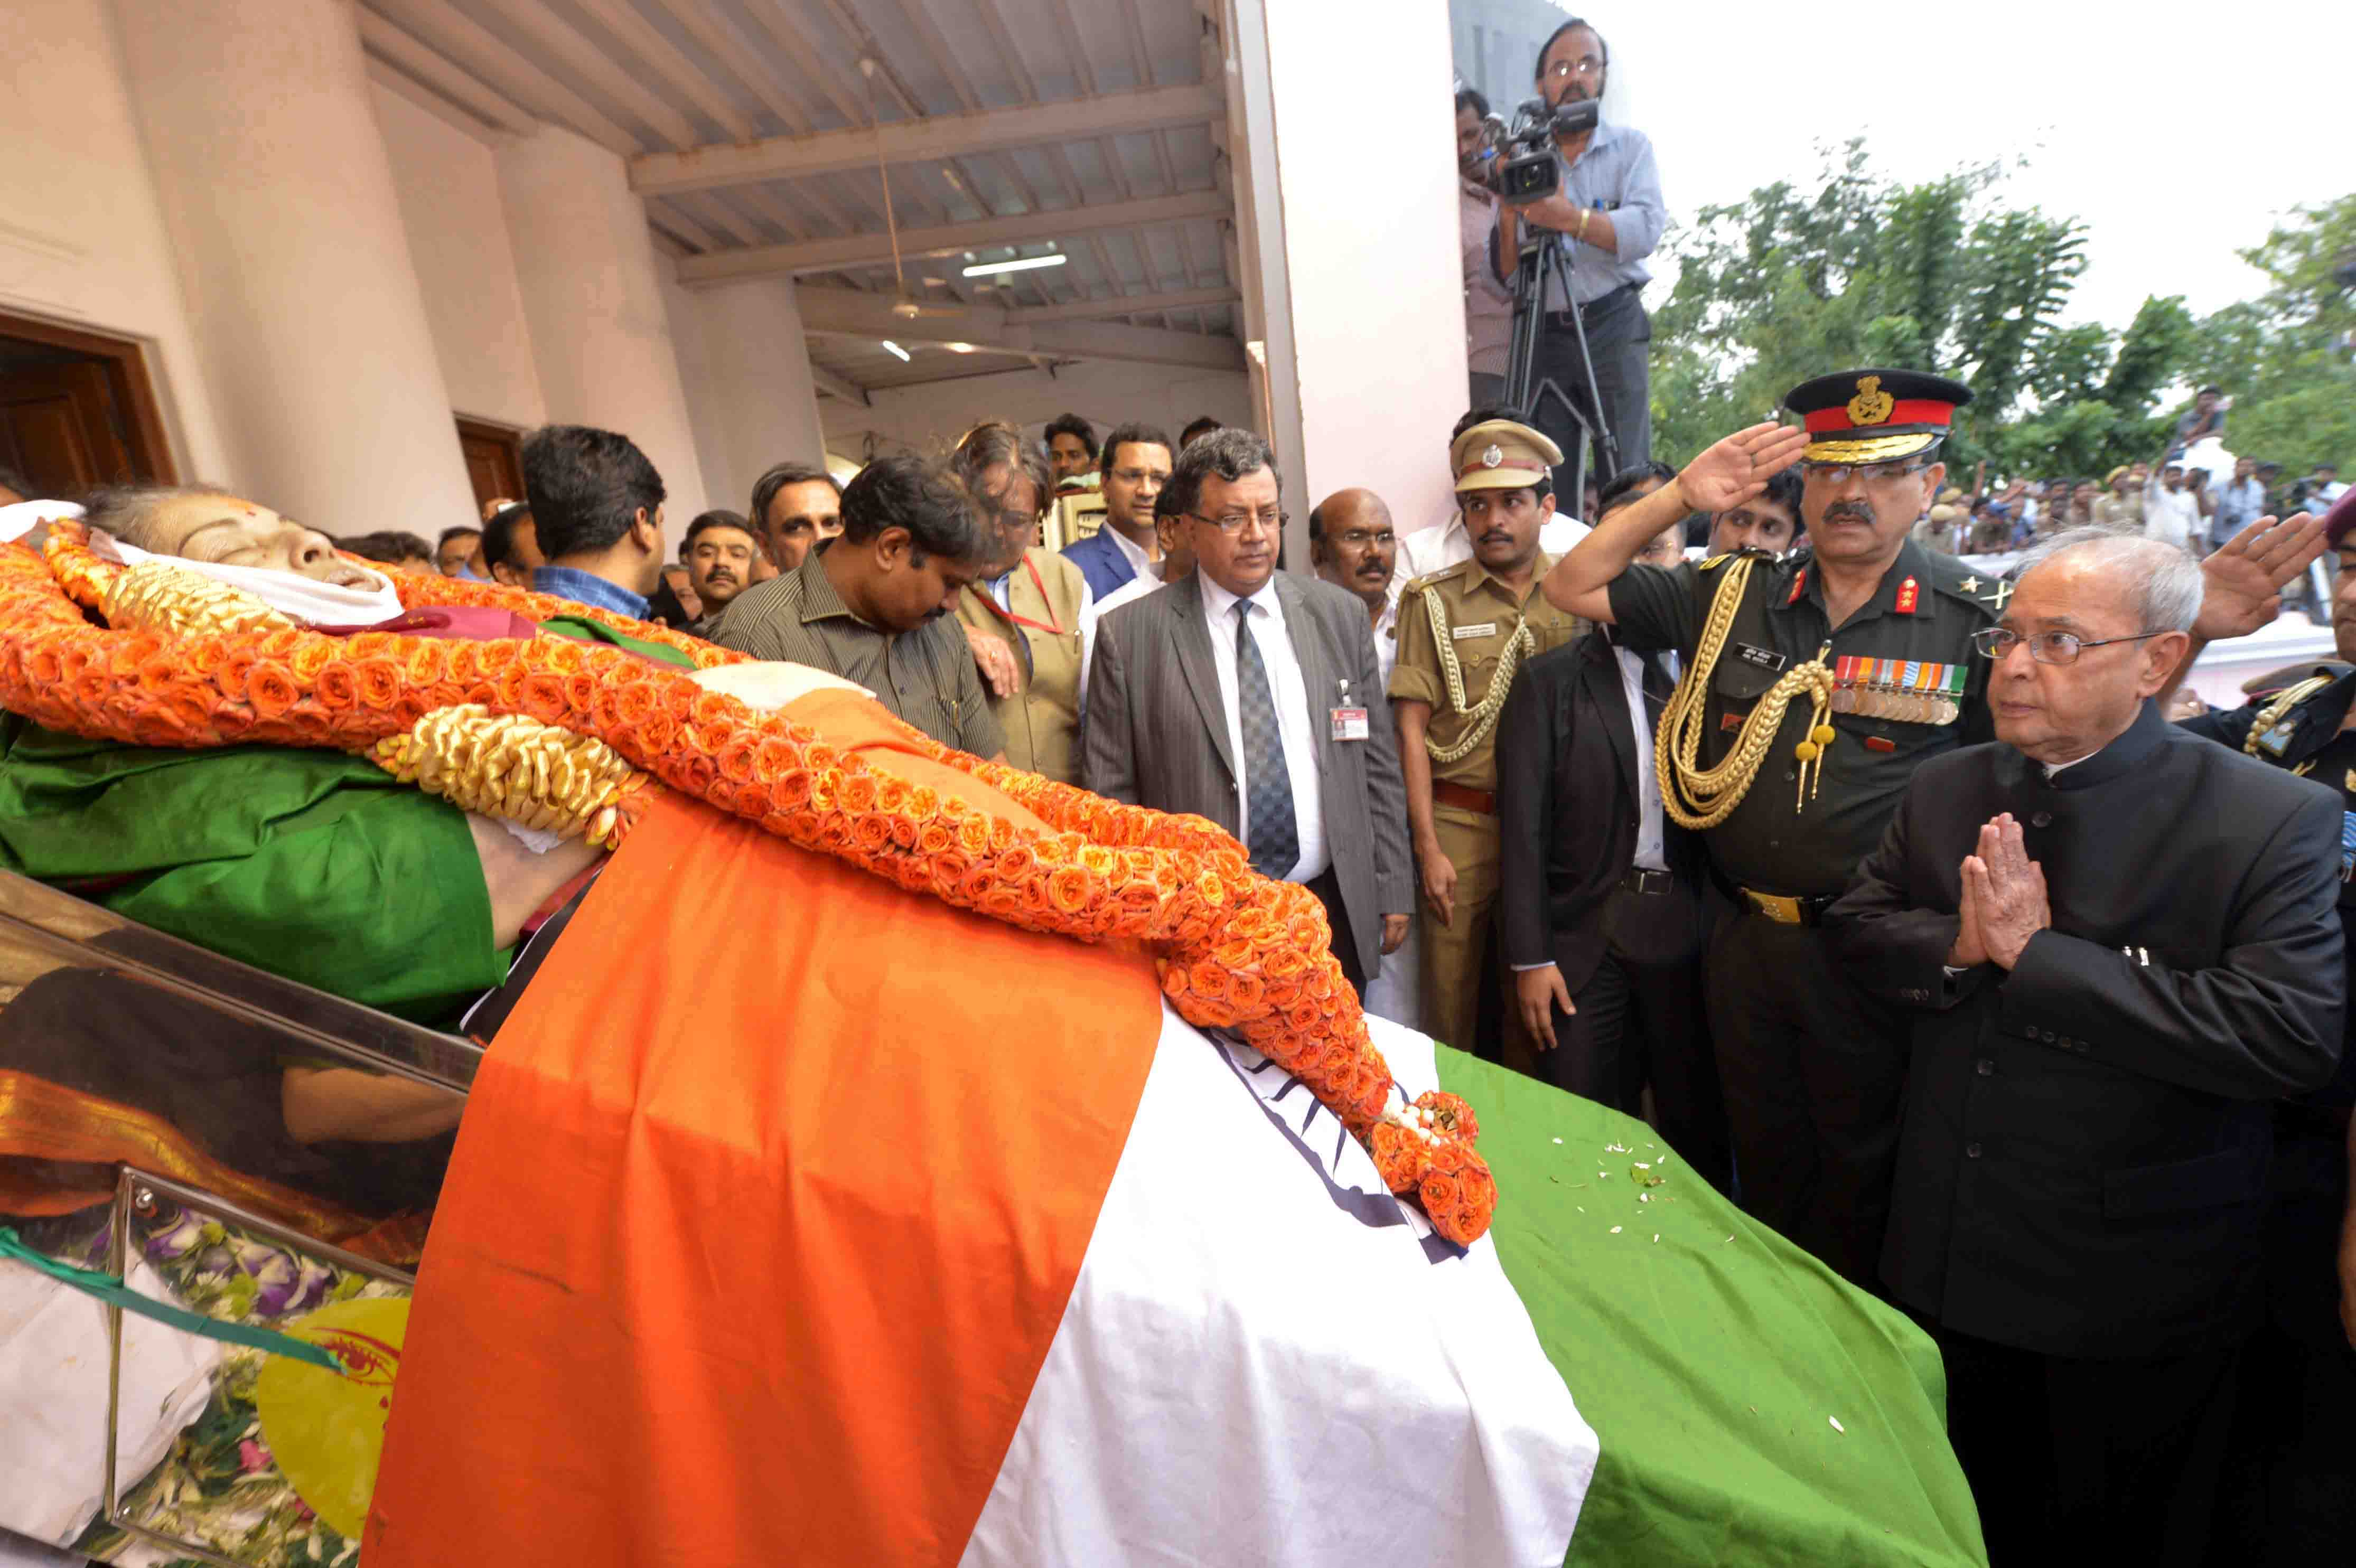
(1268, 1360)
(53, 1380)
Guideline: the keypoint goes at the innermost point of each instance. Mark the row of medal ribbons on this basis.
(1912, 691)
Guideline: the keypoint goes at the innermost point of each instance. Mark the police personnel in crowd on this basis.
(2115, 944)
(1463, 634)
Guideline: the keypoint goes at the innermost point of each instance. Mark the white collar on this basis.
(1222, 604)
(305, 599)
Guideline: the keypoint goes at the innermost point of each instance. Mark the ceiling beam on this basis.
(476, 50)
(402, 84)
(843, 314)
(942, 136)
(1018, 229)
(390, 44)
(835, 384)
(1108, 305)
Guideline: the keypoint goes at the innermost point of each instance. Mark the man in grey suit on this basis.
(1253, 698)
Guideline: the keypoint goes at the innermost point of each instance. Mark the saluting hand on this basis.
(1737, 468)
(2243, 579)
(2008, 890)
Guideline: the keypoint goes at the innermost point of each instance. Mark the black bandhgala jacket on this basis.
(2083, 1168)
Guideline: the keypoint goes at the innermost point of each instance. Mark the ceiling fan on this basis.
(904, 304)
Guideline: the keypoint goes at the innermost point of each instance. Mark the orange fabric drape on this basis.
(766, 1209)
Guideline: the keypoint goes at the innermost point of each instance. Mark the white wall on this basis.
(1374, 289)
(929, 419)
(699, 382)
(81, 233)
(287, 241)
(449, 193)
(592, 284)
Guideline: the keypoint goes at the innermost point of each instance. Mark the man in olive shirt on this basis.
(874, 608)
(1462, 634)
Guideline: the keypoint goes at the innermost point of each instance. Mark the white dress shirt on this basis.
(1386, 635)
(1651, 844)
(2173, 515)
(1289, 690)
(1138, 557)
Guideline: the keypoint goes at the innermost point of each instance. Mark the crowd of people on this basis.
(1729, 796)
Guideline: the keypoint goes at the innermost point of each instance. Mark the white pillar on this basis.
(585, 262)
(1365, 340)
(766, 404)
(311, 333)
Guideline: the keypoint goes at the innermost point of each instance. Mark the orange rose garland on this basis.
(1234, 949)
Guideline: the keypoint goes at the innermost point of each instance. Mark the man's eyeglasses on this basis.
(1868, 472)
(1140, 475)
(1357, 538)
(1235, 522)
(1585, 65)
(2046, 647)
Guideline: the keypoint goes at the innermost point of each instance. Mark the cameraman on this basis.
(1488, 303)
(1608, 216)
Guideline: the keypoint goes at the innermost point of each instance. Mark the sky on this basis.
(2178, 133)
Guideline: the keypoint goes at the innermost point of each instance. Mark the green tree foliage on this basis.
(2285, 356)
(1946, 276)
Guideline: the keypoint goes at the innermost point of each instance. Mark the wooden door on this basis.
(58, 428)
(494, 461)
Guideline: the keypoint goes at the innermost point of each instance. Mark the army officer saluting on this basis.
(1813, 687)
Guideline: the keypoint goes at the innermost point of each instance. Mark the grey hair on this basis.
(2167, 579)
(128, 512)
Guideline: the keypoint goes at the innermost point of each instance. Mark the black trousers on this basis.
(1328, 888)
(1620, 337)
(2289, 1488)
(1640, 1020)
(1814, 1076)
(2084, 1462)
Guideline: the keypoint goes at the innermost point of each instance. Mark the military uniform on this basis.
(2288, 1489)
(1463, 635)
(1814, 1069)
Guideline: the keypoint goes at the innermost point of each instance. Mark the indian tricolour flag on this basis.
(800, 1220)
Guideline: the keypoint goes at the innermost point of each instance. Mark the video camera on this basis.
(1524, 166)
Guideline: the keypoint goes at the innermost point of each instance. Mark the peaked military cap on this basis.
(1874, 416)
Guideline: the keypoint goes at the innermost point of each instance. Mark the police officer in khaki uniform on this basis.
(1462, 634)
(1812, 687)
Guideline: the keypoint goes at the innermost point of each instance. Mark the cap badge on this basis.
(1871, 405)
(1492, 455)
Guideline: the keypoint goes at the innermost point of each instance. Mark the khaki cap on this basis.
(1502, 455)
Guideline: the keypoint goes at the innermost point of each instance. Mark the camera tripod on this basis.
(1538, 269)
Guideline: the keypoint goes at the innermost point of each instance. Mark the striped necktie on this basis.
(1269, 826)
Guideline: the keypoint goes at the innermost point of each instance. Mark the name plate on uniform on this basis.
(1759, 658)
(1480, 629)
